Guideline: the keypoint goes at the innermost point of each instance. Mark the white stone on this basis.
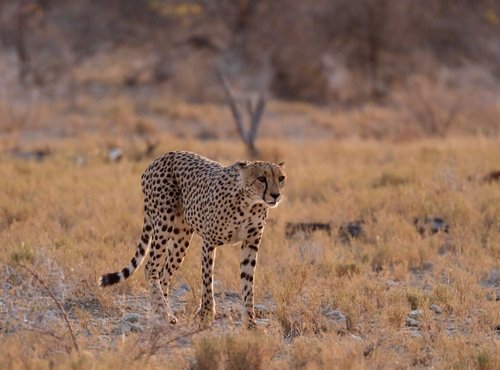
(414, 314)
(434, 307)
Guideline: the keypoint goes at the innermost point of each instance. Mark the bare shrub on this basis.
(250, 351)
(328, 352)
(247, 128)
(208, 354)
(433, 106)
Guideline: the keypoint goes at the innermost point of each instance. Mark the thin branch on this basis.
(231, 100)
(185, 335)
(35, 275)
(254, 112)
(150, 146)
(452, 114)
(249, 106)
(156, 344)
(256, 117)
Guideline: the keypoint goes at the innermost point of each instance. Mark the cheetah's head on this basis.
(263, 182)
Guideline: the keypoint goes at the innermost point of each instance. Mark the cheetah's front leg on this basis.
(249, 250)
(207, 305)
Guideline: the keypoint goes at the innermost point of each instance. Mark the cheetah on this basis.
(185, 193)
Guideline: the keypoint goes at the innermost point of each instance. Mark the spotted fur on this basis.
(186, 193)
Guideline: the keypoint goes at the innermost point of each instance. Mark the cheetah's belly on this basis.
(218, 226)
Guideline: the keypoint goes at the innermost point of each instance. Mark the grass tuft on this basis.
(22, 253)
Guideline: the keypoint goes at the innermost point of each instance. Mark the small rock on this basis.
(493, 279)
(493, 176)
(350, 230)
(262, 322)
(411, 322)
(36, 155)
(131, 318)
(80, 160)
(437, 310)
(6, 287)
(445, 248)
(427, 287)
(357, 338)
(183, 289)
(430, 225)
(424, 267)
(438, 224)
(306, 228)
(232, 296)
(129, 323)
(128, 327)
(115, 154)
(391, 283)
(427, 266)
(261, 309)
(368, 350)
(335, 315)
(47, 316)
(415, 314)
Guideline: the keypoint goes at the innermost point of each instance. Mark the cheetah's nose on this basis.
(275, 195)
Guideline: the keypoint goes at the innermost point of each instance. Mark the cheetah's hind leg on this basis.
(177, 247)
(163, 243)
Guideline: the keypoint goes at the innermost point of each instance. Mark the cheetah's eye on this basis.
(261, 178)
(281, 178)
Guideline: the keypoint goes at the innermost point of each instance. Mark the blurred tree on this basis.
(286, 46)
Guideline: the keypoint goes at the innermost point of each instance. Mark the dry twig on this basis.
(156, 344)
(65, 315)
(254, 112)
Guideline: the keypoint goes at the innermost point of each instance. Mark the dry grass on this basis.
(74, 215)
(425, 106)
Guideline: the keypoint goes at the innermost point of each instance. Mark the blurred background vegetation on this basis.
(364, 68)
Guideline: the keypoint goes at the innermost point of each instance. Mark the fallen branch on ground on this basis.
(65, 315)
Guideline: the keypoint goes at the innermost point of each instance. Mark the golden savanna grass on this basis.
(75, 215)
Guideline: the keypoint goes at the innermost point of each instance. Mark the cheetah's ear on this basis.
(243, 164)
(282, 165)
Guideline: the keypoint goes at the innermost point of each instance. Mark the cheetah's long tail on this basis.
(141, 251)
